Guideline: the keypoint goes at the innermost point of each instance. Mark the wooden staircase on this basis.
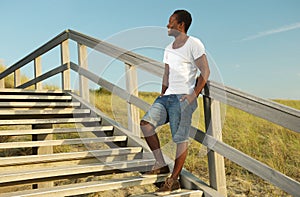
(60, 145)
(53, 145)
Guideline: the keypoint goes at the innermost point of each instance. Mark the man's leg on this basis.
(180, 114)
(181, 154)
(180, 131)
(152, 141)
(172, 184)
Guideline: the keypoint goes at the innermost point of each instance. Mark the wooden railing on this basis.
(213, 94)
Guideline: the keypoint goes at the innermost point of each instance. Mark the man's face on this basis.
(174, 28)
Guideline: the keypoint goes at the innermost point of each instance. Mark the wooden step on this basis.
(8, 177)
(43, 112)
(38, 104)
(55, 131)
(181, 193)
(186, 193)
(34, 97)
(25, 91)
(61, 142)
(48, 121)
(31, 159)
(85, 188)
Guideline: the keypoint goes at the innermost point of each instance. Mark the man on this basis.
(178, 98)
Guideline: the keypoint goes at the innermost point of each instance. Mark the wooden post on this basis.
(65, 59)
(42, 150)
(133, 111)
(83, 82)
(38, 72)
(217, 177)
(17, 78)
(2, 83)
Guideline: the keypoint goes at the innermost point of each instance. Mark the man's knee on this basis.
(147, 128)
(144, 123)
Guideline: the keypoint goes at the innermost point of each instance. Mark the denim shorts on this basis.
(169, 109)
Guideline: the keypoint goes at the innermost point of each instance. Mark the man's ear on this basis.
(182, 25)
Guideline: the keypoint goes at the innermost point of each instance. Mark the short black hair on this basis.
(184, 16)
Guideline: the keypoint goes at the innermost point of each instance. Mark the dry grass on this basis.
(272, 144)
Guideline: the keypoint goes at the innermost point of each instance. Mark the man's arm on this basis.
(165, 80)
(202, 64)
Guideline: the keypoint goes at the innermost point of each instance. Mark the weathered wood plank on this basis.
(33, 97)
(42, 150)
(17, 77)
(47, 75)
(38, 104)
(55, 130)
(256, 167)
(266, 109)
(7, 145)
(2, 83)
(30, 159)
(132, 89)
(48, 121)
(181, 193)
(84, 188)
(126, 56)
(65, 59)
(72, 170)
(68, 162)
(190, 181)
(38, 71)
(217, 177)
(25, 91)
(83, 81)
(44, 112)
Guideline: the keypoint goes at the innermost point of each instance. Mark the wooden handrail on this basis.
(274, 112)
(266, 109)
(47, 75)
(123, 55)
(41, 50)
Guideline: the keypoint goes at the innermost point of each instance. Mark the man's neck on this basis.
(180, 40)
(180, 37)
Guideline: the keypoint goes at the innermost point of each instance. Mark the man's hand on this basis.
(190, 97)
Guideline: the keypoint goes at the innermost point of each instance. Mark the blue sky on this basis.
(254, 44)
